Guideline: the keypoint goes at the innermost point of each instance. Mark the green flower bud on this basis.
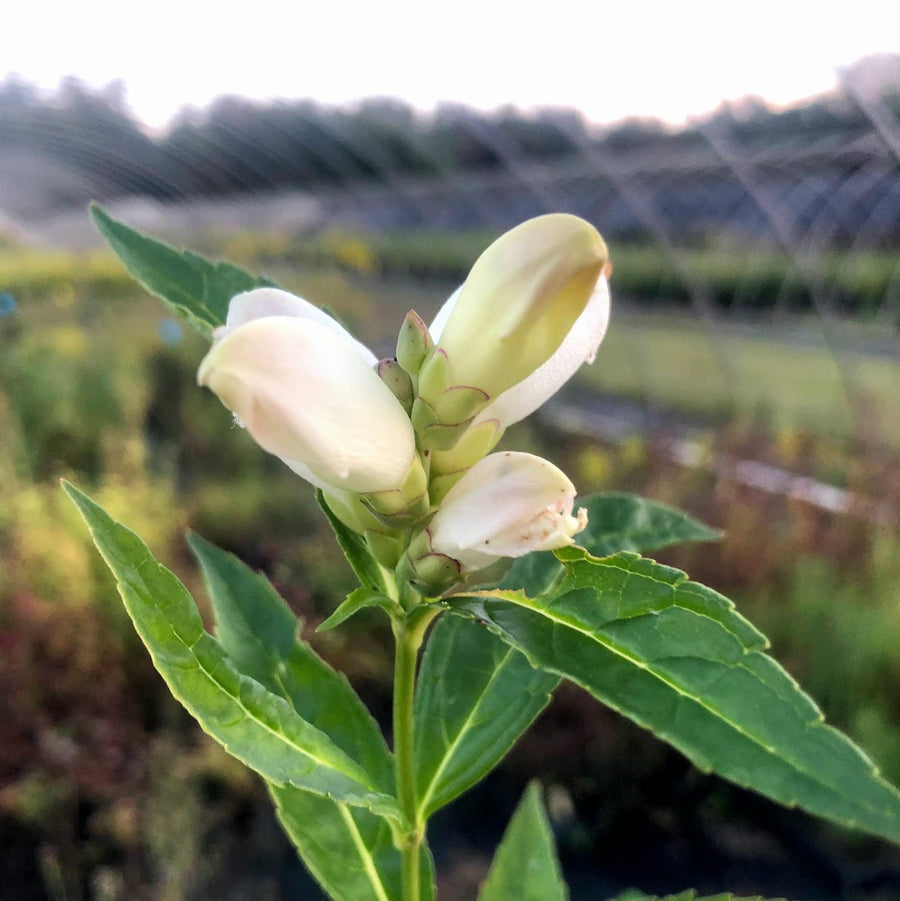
(430, 573)
(413, 343)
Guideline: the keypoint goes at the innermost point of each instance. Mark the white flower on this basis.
(306, 391)
(506, 505)
(519, 302)
(264, 302)
(578, 347)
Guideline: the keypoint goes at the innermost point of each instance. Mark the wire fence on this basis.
(748, 212)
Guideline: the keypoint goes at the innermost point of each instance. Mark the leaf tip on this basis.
(100, 217)
(76, 495)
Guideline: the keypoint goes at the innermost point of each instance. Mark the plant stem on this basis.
(408, 636)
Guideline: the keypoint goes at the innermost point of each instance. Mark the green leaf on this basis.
(357, 600)
(474, 697)
(626, 522)
(194, 288)
(676, 658)
(256, 726)
(349, 850)
(260, 634)
(525, 867)
(355, 550)
(616, 522)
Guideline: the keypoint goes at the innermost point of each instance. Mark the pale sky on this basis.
(611, 60)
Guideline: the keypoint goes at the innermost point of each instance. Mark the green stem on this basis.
(408, 635)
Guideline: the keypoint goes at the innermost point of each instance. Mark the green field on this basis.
(97, 386)
(676, 361)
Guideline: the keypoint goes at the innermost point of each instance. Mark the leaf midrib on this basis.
(128, 584)
(466, 728)
(275, 663)
(612, 647)
(365, 856)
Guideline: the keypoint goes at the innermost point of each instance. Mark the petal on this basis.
(443, 314)
(519, 302)
(578, 347)
(305, 394)
(506, 505)
(265, 302)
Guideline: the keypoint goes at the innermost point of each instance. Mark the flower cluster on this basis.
(401, 448)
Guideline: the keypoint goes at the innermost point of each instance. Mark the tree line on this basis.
(237, 145)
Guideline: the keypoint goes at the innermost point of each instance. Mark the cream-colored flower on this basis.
(519, 302)
(306, 391)
(506, 505)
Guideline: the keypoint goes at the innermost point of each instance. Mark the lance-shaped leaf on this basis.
(467, 723)
(626, 522)
(676, 658)
(355, 550)
(194, 288)
(616, 522)
(474, 697)
(255, 725)
(525, 867)
(348, 849)
(259, 633)
(359, 599)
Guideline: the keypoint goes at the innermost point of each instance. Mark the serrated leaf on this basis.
(525, 867)
(616, 522)
(260, 634)
(349, 850)
(355, 550)
(627, 522)
(253, 724)
(194, 288)
(475, 696)
(358, 599)
(676, 658)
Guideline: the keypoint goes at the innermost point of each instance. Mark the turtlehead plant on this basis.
(366, 432)
(484, 556)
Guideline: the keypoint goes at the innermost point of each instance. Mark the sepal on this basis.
(393, 375)
(431, 573)
(401, 507)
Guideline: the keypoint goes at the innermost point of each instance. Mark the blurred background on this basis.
(746, 176)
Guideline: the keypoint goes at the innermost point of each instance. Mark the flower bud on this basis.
(413, 343)
(307, 394)
(507, 505)
(517, 305)
(485, 430)
(429, 572)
